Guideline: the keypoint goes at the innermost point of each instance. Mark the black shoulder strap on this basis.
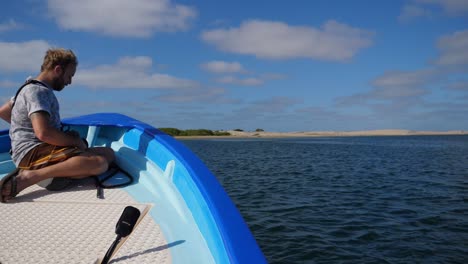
(101, 180)
(113, 170)
(32, 81)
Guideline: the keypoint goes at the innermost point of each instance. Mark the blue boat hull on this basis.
(191, 207)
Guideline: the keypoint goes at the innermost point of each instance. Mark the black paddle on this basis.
(123, 228)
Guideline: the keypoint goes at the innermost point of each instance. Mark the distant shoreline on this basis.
(387, 132)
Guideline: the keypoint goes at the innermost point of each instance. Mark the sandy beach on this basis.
(384, 132)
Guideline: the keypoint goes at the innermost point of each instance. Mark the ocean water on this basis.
(350, 199)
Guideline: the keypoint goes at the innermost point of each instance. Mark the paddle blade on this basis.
(127, 221)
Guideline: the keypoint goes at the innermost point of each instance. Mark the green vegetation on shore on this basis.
(192, 132)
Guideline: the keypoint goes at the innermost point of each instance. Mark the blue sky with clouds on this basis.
(278, 65)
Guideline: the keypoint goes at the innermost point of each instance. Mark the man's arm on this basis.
(5, 111)
(50, 134)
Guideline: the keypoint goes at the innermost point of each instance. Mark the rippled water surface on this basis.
(348, 200)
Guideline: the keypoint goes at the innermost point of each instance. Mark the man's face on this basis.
(64, 78)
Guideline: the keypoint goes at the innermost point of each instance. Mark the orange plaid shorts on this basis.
(45, 155)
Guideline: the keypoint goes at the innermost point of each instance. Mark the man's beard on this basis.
(58, 84)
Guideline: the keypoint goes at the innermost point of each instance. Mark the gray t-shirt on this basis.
(31, 99)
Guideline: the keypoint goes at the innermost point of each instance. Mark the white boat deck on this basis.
(74, 226)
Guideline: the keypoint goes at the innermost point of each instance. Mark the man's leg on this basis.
(86, 164)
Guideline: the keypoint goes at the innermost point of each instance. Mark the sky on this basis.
(285, 66)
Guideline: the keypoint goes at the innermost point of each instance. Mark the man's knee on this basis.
(106, 152)
(110, 155)
(100, 164)
(95, 164)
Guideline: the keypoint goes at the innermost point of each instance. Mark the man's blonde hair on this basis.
(60, 57)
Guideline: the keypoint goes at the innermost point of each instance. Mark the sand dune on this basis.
(383, 132)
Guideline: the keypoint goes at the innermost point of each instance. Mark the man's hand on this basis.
(72, 133)
(81, 143)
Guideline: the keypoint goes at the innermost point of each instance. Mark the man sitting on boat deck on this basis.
(40, 149)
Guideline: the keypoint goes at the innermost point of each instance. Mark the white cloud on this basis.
(451, 7)
(453, 48)
(223, 67)
(410, 12)
(404, 95)
(407, 79)
(252, 81)
(334, 41)
(429, 8)
(274, 110)
(10, 25)
(395, 87)
(201, 95)
(130, 72)
(22, 56)
(272, 76)
(125, 18)
(8, 84)
(275, 104)
(458, 86)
